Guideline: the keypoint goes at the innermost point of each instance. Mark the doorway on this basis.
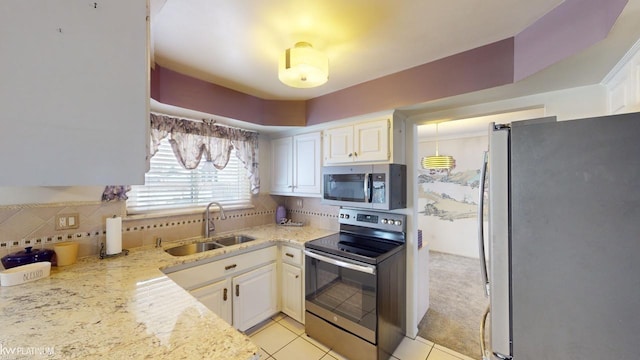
(447, 215)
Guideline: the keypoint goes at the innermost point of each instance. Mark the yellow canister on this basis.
(66, 253)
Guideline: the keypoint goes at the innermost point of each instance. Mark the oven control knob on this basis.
(397, 222)
(341, 216)
(384, 221)
(346, 216)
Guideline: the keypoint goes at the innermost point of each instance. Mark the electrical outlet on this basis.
(67, 221)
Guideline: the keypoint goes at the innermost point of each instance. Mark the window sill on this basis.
(143, 215)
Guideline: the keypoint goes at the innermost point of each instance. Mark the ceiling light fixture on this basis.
(302, 66)
(438, 161)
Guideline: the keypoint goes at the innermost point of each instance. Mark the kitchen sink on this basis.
(189, 249)
(194, 248)
(233, 240)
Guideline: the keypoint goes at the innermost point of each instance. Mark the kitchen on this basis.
(574, 102)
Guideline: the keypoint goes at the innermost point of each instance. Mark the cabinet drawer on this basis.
(291, 255)
(201, 274)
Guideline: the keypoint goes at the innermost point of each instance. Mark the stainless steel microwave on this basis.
(381, 186)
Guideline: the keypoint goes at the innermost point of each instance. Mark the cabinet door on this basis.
(255, 296)
(292, 291)
(281, 165)
(217, 297)
(307, 158)
(371, 141)
(338, 145)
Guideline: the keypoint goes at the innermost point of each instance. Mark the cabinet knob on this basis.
(237, 289)
(297, 276)
(289, 255)
(229, 267)
(224, 294)
(350, 154)
(355, 154)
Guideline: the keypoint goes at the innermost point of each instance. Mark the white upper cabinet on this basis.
(74, 97)
(371, 141)
(364, 142)
(282, 165)
(296, 165)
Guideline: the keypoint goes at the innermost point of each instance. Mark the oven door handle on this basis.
(369, 269)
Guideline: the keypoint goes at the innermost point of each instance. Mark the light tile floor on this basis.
(282, 338)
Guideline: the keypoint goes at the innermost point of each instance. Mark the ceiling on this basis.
(237, 44)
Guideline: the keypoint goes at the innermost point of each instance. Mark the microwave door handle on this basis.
(367, 187)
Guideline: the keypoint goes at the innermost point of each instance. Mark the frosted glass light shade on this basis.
(302, 66)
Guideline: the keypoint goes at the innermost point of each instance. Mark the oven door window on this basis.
(341, 291)
(345, 187)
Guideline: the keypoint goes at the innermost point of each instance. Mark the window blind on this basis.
(169, 186)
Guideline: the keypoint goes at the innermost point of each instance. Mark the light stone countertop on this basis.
(125, 307)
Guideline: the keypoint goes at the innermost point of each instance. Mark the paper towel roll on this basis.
(114, 235)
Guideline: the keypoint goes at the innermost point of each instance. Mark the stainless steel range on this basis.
(355, 285)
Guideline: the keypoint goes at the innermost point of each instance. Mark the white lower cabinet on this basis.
(291, 281)
(255, 296)
(292, 291)
(248, 288)
(243, 300)
(242, 289)
(217, 297)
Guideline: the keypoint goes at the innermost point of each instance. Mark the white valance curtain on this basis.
(191, 140)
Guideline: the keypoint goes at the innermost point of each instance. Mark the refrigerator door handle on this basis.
(483, 324)
(483, 261)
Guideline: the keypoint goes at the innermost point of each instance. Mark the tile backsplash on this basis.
(34, 224)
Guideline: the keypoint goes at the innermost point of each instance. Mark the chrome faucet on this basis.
(209, 225)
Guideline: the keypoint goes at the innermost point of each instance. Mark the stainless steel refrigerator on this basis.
(564, 239)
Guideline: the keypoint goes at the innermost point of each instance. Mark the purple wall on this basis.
(172, 88)
(566, 30)
(481, 68)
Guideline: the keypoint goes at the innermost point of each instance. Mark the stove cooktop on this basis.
(364, 249)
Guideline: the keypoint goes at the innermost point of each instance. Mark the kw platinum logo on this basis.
(8, 352)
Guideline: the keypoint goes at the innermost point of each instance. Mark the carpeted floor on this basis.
(456, 304)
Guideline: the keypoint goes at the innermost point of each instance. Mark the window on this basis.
(169, 186)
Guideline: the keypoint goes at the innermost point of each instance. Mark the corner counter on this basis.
(125, 307)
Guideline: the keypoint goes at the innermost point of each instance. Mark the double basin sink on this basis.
(194, 248)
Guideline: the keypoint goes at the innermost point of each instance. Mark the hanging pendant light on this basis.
(302, 66)
(438, 161)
